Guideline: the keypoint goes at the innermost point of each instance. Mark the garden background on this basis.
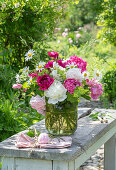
(84, 28)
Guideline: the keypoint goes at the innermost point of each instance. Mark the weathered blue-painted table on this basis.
(89, 136)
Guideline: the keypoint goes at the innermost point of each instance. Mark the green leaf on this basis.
(25, 85)
(31, 134)
(87, 97)
(71, 98)
(94, 116)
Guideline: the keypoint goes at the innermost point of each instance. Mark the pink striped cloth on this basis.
(24, 141)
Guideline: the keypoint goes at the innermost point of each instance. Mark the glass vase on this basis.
(61, 118)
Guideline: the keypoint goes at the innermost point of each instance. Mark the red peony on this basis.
(44, 81)
(49, 64)
(62, 64)
(53, 54)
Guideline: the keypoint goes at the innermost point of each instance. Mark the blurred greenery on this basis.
(85, 12)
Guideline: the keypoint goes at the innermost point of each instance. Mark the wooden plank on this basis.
(71, 165)
(60, 165)
(8, 164)
(31, 164)
(110, 154)
(92, 149)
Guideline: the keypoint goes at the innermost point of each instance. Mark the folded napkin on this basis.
(24, 141)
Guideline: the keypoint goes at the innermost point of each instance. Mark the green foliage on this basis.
(107, 20)
(24, 22)
(109, 80)
(7, 77)
(82, 92)
(71, 98)
(94, 116)
(15, 116)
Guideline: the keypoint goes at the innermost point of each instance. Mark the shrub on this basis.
(109, 80)
(24, 22)
(15, 115)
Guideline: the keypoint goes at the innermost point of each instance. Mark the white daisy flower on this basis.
(70, 66)
(25, 71)
(56, 93)
(3, 6)
(85, 75)
(29, 55)
(18, 80)
(17, 5)
(55, 65)
(30, 81)
(74, 73)
(61, 68)
(40, 66)
(97, 75)
(54, 73)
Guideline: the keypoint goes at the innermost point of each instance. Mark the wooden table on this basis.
(89, 136)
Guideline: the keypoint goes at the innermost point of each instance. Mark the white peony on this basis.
(56, 93)
(74, 73)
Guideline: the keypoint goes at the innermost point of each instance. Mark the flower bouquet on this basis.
(56, 87)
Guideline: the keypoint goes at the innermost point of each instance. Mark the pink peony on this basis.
(71, 84)
(44, 81)
(53, 54)
(17, 86)
(79, 62)
(38, 103)
(49, 64)
(43, 138)
(62, 64)
(95, 88)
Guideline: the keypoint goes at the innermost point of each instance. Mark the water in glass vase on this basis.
(61, 118)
